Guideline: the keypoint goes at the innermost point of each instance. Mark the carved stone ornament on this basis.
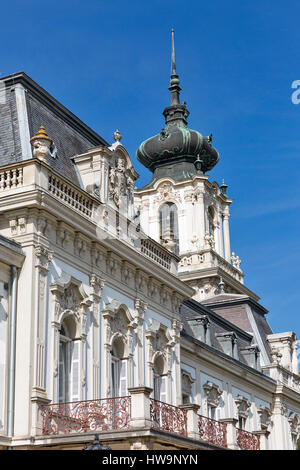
(242, 406)
(117, 181)
(212, 393)
(121, 176)
(209, 241)
(193, 195)
(41, 143)
(264, 414)
(236, 261)
(119, 321)
(70, 299)
(186, 383)
(276, 356)
(160, 340)
(43, 257)
(166, 192)
(294, 422)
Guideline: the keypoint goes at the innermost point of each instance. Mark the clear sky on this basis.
(109, 63)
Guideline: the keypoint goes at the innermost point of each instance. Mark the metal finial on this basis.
(173, 54)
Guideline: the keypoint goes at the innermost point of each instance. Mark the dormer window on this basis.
(228, 342)
(201, 328)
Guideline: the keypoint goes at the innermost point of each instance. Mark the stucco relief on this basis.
(70, 299)
(213, 394)
(242, 406)
(166, 192)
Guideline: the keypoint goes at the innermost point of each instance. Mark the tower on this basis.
(182, 209)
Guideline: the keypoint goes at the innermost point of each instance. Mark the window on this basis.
(242, 422)
(211, 223)
(242, 411)
(69, 363)
(213, 395)
(160, 380)
(186, 385)
(168, 221)
(119, 373)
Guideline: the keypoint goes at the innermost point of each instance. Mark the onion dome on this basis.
(177, 151)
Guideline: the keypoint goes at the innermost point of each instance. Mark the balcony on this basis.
(168, 417)
(247, 440)
(106, 414)
(139, 413)
(212, 431)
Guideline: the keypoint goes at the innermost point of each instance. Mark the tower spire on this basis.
(173, 54)
(174, 81)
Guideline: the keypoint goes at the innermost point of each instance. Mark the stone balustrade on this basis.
(34, 174)
(208, 258)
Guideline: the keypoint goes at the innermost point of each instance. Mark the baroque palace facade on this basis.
(123, 311)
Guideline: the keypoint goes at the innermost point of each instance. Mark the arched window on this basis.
(211, 221)
(119, 373)
(168, 222)
(160, 380)
(69, 362)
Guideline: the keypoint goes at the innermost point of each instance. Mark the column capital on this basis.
(138, 390)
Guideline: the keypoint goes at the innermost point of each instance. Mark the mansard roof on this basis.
(20, 120)
(226, 319)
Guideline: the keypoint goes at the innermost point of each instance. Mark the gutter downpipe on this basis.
(12, 355)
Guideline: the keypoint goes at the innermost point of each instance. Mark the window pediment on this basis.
(243, 406)
(213, 393)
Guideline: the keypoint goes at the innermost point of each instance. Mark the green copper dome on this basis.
(177, 151)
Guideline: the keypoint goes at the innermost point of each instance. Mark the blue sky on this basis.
(109, 63)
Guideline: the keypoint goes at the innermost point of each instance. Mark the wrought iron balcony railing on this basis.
(168, 417)
(212, 431)
(247, 440)
(105, 414)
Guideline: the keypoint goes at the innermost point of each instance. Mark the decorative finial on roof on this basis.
(223, 188)
(41, 143)
(117, 136)
(41, 134)
(221, 285)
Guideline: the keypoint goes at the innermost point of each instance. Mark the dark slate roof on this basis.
(233, 308)
(192, 309)
(70, 135)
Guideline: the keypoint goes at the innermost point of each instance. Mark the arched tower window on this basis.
(119, 381)
(69, 362)
(168, 222)
(211, 221)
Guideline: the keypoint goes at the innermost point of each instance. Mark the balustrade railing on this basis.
(156, 252)
(11, 178)
(212, 431)
(107, 414)
(168, 417)
(247, 440)
(32, 172)
(60, 189)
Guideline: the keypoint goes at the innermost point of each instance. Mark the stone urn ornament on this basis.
(41, 143)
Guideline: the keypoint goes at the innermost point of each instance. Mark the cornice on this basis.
(231, 365)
